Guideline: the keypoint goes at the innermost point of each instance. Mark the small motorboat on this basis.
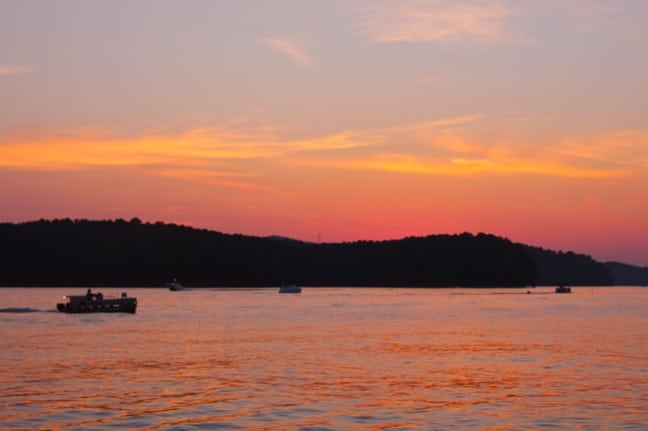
(289, 288)
(563, 289)
(174, 285)
(97, 303)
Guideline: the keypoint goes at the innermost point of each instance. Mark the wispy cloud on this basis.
(8, 69)
(446, 22)
(411, 164)
(229, 155)
(196, 147)
(464, 146)
(625, 149)
(452, 121)
(288, 46)
(438, 123)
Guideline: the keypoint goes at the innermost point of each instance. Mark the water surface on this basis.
(328, 359)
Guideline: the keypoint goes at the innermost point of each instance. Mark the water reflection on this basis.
(331, 359)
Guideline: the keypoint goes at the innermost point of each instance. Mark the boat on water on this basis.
(563, 289)
(97, 303)
(175, 286)
(289, 288)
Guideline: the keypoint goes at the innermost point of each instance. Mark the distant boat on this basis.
(174, 285)
(563, 289)
(289, 288)
(97, 303)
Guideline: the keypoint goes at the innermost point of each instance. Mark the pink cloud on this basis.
(288, 46)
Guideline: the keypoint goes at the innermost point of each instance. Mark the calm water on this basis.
(328, 359)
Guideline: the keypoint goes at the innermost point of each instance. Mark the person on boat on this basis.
(89, 294)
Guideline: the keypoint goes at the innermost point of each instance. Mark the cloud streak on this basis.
(445, 22)
(222, 155)
(195, 147)
(439, 123)
(456, 147)
(289, 47)
(410, 164)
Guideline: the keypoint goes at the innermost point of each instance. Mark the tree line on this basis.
(65, 252)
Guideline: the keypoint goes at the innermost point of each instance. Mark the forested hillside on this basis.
(119, 253)
(628, 275)
(557, 267)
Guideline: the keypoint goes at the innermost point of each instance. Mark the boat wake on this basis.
(20, 310)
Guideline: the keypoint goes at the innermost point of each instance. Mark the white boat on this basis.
(289, 288)
(174, 285)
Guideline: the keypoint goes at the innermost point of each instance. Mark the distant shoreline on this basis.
(120, 253)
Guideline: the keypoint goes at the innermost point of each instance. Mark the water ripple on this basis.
(367, 359)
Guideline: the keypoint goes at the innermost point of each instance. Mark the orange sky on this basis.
(333, 121)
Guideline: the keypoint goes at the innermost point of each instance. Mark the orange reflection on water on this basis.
(332, 358)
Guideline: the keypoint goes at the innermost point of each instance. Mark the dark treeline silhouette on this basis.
(122, 253)
(628, 275)
(568, 268)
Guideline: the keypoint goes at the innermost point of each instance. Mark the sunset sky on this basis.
(333, 120)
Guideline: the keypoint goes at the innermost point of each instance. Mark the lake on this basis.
(328, 359)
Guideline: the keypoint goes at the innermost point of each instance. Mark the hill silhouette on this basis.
(67, 252)
(628, 275)
(569, 268)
